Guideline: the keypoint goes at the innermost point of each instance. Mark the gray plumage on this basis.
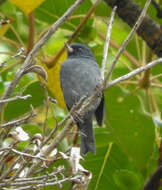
(79, 76)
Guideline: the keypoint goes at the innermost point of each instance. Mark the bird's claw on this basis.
(99, 90)
(77, 117)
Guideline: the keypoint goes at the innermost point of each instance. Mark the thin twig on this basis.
(61, 135)
(53, 61)
(31, 32)
(106, 46)
(134, 72)
(16, 98)
(18, 54)
(57, 171)
(155, 77)
(22, 153)
(55, 142)
(5, 155)
(11, 42)
(18, 121)
(125, 43)
(10, 169)
(116, 46)
(37, 184)
(156, 85)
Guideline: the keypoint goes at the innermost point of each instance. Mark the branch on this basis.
(132, 59)
(158, 9)
(37, 47)
(15, 98)
(18, 121)
(22, 153)
(41, 181)
(18, 54)
(55, 142)
(106, 46)
(53, 61)
(31, 32)
(125, 43)
(153, 182)
(37, 184)
(134, 72)
(149, 30)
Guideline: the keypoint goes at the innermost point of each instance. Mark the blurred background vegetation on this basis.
(128, 143)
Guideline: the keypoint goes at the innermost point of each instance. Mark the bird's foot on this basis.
(77, 117)
(99, 90)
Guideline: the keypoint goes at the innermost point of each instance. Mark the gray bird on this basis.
(80, 76)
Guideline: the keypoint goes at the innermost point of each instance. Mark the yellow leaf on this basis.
(27, 6)
(53, 82)
(4, 28)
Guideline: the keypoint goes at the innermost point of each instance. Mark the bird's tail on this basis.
(87, 138)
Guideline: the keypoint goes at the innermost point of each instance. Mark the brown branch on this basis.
(31, 32)
(156, 76)
(153, 182)
(149, 30)
(53, 61)
(11, 42)
(145, 81)
(160, 154)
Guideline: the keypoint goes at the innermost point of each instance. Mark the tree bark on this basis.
(149, 30)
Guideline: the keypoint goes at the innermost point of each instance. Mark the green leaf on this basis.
(50, 11)
(131, 128)
(102, 9)
(109, 159)
(126, 179)
(19, 107)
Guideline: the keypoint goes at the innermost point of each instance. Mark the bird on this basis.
(79, 77)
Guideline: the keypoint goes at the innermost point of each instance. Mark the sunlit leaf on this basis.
(3, 29)
(27, 6)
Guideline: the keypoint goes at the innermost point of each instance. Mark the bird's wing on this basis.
(79, 77)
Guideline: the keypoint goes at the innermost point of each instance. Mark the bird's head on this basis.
(79, 50)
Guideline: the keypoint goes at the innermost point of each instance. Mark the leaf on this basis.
(108, 160)
(102, 9)
(51, 10)
(27, 6)
(126, 179)
(3, 29)
(19, 107)
(131, 128)
(53, 82)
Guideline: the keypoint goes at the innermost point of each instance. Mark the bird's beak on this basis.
(69, 48)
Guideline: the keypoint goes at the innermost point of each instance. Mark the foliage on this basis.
(128, 142)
